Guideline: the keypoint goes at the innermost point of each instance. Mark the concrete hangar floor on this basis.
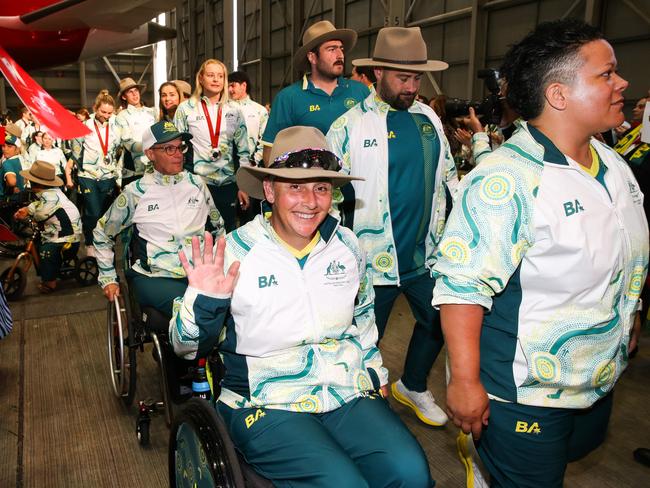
(61, 426)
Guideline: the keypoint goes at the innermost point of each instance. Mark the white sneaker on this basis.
(422, 404)
(469, 457)
(90, 251)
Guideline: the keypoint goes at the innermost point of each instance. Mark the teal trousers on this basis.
(361, 444)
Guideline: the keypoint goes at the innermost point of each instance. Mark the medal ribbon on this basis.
(103, 144)
(214, 133)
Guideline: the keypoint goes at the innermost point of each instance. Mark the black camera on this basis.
(487, 110)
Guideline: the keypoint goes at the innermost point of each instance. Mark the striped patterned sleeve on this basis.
(487, 234)
(118, 217)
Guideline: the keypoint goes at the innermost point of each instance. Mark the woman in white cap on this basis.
(219, 129)
(59, 219)
(133, 118)
(293, 319)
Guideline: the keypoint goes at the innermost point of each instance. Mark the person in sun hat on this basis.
(293, 319)
(398, 145)
(323, 94)
(58, 217)
(133, 119)
(167, 206)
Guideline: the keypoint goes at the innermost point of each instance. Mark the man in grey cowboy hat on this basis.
(397, 144)
(133, 119)
(299, 343)
(323, 94)
(59, 218)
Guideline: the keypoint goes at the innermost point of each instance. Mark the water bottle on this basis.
(200, 385)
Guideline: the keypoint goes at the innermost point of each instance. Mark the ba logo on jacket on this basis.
(571, 208)
(314, 108)
(266, 281)
(370, 143)
(153, 207)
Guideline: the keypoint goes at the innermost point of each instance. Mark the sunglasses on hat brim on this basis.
(308, 158)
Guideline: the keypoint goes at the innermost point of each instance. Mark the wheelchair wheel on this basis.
(13, 284)
(142, 430)
(86, 271)
(164, 384)
(68, 268)
(201, 453)
(121, 353)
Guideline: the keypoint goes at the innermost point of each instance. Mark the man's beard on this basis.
(398, 101)
(329, 71)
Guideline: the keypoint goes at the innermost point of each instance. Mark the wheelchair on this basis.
(201, 453)
(129, 328)
(14, 278)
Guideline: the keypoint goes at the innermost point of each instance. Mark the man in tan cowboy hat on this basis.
(59, 218)
(133, 120)
(397, 144)
(299, 343)
(323, 94)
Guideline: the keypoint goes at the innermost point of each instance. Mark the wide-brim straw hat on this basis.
(319, 33)
(42, 173)
(290, 140)
(401, 48)
(127, 84)
(184, 87)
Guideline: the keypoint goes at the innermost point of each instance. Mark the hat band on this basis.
(395, 61)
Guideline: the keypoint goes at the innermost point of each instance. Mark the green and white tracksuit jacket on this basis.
(166, 212)
(558, 261)
(292, 337)
(256, 116)
(133, 121)
(57, 215)
(359, 138)
(88, 154)
(189, 117)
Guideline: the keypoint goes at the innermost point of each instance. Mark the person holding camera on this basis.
(398, 145)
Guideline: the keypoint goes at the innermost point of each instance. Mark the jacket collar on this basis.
(167, 180)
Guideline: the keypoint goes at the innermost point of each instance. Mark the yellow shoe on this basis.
(422, 403)
(467, 454)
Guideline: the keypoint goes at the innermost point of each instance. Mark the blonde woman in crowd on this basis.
(218, 129)
(96, 160)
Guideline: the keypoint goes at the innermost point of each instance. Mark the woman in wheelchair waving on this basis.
(166, 207)
(299, 347)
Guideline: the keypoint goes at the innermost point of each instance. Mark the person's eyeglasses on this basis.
(308, 158)
(171, 150)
